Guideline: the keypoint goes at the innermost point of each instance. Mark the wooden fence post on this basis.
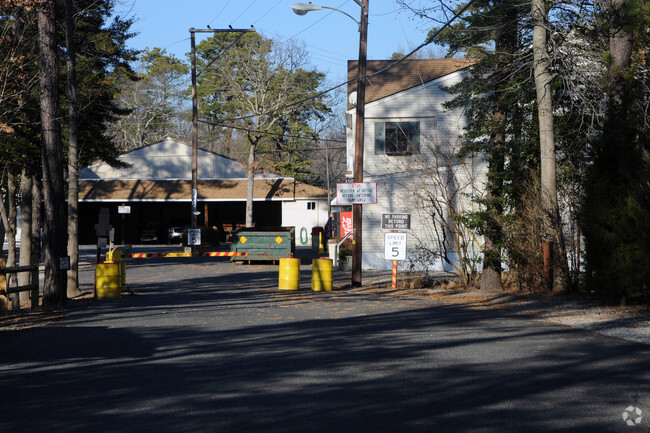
(4, 301)
(35, 284)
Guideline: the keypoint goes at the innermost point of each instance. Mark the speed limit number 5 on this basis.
(395, 246)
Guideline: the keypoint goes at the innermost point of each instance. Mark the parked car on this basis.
(148, 236)
(175, 234)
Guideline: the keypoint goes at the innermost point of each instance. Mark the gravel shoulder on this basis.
(631, 323)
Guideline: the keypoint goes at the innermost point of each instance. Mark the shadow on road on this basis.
(224, 351)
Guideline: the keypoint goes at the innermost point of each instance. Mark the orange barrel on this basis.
(321, 274)
(108, 280)
(289, 278)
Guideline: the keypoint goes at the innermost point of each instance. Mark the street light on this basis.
(303, 9)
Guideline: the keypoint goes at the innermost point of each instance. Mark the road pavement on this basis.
(205, 345)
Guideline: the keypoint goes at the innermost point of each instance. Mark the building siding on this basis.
(400, 179)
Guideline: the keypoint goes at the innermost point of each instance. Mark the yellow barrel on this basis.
(289, 274)
(123, 275)
(107, 280)
(321, 275)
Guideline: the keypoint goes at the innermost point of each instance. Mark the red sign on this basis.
(346, 223)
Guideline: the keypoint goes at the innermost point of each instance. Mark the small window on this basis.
(311, 205)
(397, 138)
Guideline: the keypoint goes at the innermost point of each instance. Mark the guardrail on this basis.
(5, 291)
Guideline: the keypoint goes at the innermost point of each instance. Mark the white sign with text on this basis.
(356, 193)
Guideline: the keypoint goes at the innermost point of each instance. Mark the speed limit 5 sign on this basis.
(395, 246)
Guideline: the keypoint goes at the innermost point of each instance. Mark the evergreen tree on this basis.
(99, 40)
(503, 121)
(616, 208)
(495, 33)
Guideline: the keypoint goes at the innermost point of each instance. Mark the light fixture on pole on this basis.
(302, 9)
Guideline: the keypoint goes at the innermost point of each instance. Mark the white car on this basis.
(175, 235)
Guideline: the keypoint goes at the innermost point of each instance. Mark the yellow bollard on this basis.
(321, 248)
(107, 280)
(289, 278)
(115, 256)
(321, 275)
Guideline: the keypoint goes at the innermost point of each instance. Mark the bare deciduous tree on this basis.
(446, 184)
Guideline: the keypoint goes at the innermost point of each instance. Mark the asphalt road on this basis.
(208, 346)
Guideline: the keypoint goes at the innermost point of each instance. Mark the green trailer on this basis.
(263, 244)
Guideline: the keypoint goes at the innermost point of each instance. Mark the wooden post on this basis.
(547, 254)
(4, 301)
(35, 283)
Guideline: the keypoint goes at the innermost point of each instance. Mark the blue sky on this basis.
(330, 38)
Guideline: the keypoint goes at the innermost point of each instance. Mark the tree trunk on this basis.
(551, 215)
(10, 228)
(491, 275)
(36, 225)
(53, 190)
(251, 186)
(73, 156)
(12, 213)
(227, 140)
(620, 49)
(26, 186)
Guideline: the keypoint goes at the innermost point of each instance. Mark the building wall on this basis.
(403, 182)
(413, 193)
(422, 104)
(300, 214)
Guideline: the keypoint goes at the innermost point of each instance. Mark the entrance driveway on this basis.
(205, 345)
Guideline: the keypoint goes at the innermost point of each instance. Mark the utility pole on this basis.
(195, 109)
(357, 213)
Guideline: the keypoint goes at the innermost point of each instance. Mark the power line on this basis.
(220, 12)
(395, 63)
(241, 14)
(279, 134)
(267, 12)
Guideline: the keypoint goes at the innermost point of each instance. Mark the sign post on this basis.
(123, 210)
(395, 249)
(357, 194)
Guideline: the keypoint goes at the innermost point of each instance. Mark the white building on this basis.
(155, 185)
(409, 145)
